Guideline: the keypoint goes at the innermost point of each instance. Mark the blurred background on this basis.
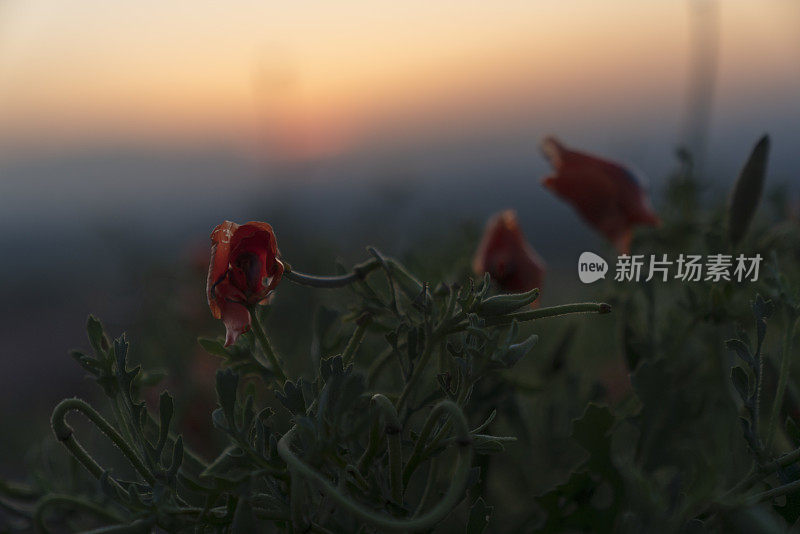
(129, 130)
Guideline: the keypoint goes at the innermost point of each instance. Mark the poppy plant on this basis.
(243, 271)
(507, 257)
(606, 195)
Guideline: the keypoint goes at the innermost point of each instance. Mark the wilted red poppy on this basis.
(507, 257)
(244, 270)
(607, 195)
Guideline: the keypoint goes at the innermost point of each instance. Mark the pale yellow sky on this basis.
(312, 78)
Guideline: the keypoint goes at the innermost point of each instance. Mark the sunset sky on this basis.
(129, 129)
(311, 79)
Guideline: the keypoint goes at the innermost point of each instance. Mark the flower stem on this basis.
(774, 492)
(542, 313)
(372, 447)
(359, 272)
(783, 379)
(261, 336)
(65, 434)
(355, 341)
(419, 447)
(418, 369)
(393, 429)
(17, 491)
(552, 311)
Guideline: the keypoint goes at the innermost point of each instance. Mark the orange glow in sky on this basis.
(311, 78)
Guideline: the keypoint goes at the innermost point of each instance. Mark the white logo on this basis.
(591, 267)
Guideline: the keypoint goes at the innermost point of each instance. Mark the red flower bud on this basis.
(507, 257)
(244, 270)
(605, 194)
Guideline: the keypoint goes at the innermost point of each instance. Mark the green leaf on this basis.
(746, 194)
(97, 336)
(506, 303)
(740, 382)
(292, 397)
(514, 353)
(741, 350)
(213, 346)
(483, 444)
(763, 308)
(165, 412)
(177, 458)
(88, 363)
(565, 504)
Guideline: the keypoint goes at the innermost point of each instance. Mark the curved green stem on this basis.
(16, 490)
(774, 492)
(552, 311)
(756, 474)
(787, 459)
(266, 346)
(73, 502)
(420, 446)
(410, 285)
(430, 341)
(783, 379)
(14, 508)
(451, 498)
(349, 353)
(359, 272)
(65, 435)
(430, 486)
(393, 429)
(372, 447)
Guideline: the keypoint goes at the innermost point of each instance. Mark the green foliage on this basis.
(326, 450)
(419, 404)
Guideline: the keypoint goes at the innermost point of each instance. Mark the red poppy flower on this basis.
(605, 194)
(507, 257)
(244, 270)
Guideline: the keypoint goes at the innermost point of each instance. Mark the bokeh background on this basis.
(129, 129)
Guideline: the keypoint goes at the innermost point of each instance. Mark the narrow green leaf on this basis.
(739, 379)
(746, 193)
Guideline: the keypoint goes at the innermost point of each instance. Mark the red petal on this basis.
(553, 150)
(259, 238)
(605, 194)
(263, 233)
(233, 313)
(236, 319)
(507, 257)
(220, 251)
